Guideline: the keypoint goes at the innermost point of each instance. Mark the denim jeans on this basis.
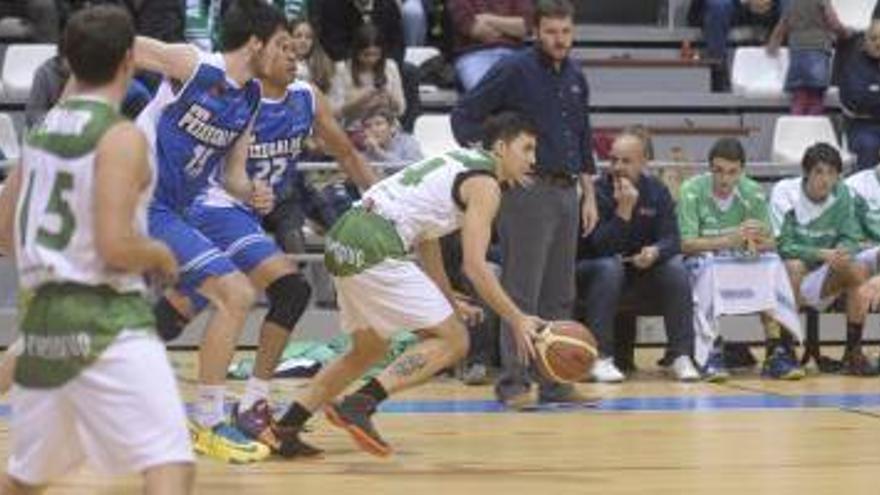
(415, 22)
(603, 283)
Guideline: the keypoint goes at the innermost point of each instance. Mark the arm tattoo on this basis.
(409, 365)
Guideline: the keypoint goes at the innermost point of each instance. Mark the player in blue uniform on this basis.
(199, 126)
(289, 113)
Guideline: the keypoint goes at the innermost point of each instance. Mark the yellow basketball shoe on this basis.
(226, 443)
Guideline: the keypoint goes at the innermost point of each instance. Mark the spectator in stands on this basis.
(538, 225)
(384, 141)
(818, 237)
(50, 79)
(634, 254)
(718, 17)
(42, 15)
(728, 243)
(859, 81)
(485, 32)
(483, 332)
(811, 27)
(313, 64)
(337, 21)
(159, 19)
(366, 81)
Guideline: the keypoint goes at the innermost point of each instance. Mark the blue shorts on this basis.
(198, 256)
(236, 231)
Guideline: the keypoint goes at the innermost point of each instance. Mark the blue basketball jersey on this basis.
(278, 135)
(192, 130)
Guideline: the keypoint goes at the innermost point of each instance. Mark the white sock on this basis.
(209, 405)
(255, 390)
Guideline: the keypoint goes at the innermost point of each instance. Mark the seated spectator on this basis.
(718, 17)
(818, 237)
(811, 27)
(384, 141)
(50, 80)
(42, 15)
(727, 238)
(859, 81)
(634, 255)
(313, 64)
(367, 80)
(337, 21)
(485, 32)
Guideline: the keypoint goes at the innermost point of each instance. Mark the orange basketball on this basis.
(565, 351)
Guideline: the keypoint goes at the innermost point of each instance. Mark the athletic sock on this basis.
(853, 336)
(296, 416)
(255, 390)
(209, 405)
(774, 335)
(375, 390)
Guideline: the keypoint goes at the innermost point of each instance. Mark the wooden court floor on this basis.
(647, 436)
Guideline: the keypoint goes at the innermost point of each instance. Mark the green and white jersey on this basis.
(74, 305)
(701, 214)
(865, 189)
(418, 203)
(803, 227)
(54, 229)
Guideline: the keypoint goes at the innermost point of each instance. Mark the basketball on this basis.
(565, 351)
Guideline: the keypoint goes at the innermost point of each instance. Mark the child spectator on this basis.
(384, 141)
(811, 26)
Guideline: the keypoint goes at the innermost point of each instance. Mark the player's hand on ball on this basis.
(525, 331)
(262, 198)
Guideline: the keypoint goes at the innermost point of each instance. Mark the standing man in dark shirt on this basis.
(538, 224)
(636, 249)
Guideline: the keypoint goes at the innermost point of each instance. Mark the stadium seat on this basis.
(854, 14)
(794, 134)
(19, 65)
(9, 145)
(417, 55)
(434, 133)
(757, 74)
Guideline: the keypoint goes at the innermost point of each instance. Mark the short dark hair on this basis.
(96, 40)
(821, 153)
(246, 18)
(553, 9)
(506, 126)
(728, 148)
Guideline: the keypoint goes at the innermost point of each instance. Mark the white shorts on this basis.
(811, 285)
(122, 414)
(393, 296)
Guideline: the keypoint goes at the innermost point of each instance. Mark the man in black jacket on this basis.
(635, 251)
(859, 81)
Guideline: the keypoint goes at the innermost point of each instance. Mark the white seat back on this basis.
(434, 133)
(794, 134)
(417, 55)
(20, 64)
(757, 74)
